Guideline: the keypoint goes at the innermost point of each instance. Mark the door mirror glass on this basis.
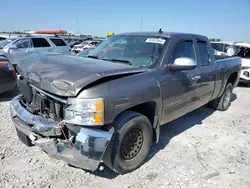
(183, 63)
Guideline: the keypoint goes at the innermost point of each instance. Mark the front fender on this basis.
(124, 93)
(131, 91)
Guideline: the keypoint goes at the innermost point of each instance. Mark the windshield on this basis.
(141, 51)
(3, 43)
(20, 43)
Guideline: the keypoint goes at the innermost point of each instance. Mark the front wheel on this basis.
(223, 103)
(130, 143)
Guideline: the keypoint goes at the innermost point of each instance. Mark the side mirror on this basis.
(13, 46)
(183, 63)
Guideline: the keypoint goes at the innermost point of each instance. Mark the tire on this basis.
(131, 128)
(223, 102)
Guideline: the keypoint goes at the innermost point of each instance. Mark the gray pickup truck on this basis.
(108, 108)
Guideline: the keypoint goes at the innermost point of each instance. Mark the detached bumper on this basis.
(87, 149)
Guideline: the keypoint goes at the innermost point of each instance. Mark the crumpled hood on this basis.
(66, 75)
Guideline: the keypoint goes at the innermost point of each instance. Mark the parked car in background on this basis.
(110, 108)
(23, 46)
(242, 50)
(3, 43)
(7, 75)
(74, 42)
(221, 47)
(236, 49)
(84, 45)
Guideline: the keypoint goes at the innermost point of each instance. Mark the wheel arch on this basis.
(150, 110)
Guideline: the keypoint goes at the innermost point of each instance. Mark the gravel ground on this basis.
(205, 148)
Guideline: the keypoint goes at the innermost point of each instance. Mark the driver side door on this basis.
(180, 87)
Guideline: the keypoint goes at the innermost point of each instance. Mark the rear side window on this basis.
(58, 42)
(203, 53)
(40, 42)
(184, 49)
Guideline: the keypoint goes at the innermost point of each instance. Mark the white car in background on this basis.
(240, 49)
(220, 48)
(23, 46)
(84, 45)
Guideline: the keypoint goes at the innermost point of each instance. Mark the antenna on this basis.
(160, 30)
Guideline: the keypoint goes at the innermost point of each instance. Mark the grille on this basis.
(39, 102)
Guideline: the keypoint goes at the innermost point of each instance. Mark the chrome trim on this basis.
(46, 127)
(48, 94)
(86, 151)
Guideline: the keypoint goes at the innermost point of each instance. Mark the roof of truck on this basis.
(158, 34)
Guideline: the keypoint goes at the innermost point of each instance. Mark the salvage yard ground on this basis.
(205, 148)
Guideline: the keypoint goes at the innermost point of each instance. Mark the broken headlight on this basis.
(85, 111)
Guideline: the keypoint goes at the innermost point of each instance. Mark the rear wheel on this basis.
(223, 103)
(130, 143)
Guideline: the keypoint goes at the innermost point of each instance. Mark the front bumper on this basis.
(87, 149)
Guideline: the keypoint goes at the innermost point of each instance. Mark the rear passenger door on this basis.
(41, 45)
(207, 71)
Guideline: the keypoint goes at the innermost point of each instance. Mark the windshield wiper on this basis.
(93, 56)
(118, 60)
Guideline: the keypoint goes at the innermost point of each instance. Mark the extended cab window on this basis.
(184, 49)
(203, 53)
(58, 42)
(40, 43)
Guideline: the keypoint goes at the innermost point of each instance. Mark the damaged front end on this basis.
(40, 122)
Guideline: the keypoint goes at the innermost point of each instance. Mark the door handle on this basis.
(196, 78)
(49, 50)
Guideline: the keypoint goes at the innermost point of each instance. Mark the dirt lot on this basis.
(205, 148)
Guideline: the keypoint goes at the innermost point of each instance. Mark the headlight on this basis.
(85, 111)
(242, 68)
